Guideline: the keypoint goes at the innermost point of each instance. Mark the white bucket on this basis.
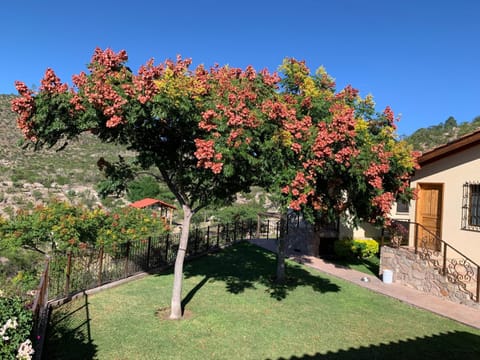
(387, 276)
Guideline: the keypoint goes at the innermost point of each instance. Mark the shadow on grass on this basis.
(451, 345)
(64, 328)
(244, 265)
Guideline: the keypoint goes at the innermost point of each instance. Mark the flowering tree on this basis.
(164, 113)
(346, 156)
(71, 228)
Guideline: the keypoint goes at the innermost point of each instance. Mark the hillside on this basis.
(428, 138)
(28, 178)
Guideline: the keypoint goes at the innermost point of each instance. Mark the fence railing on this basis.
(40, 311)
(458, 268)
(88, 268)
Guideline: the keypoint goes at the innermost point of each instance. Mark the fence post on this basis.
(127, 258)
(257, 235)
(218, 235)
(227, 238)
(235, 232)
(478, 283)
(149, 247)
(166, 248)
(444, 265)
(67, 273)
(195, 242)
(100, 266)
(208, 237)
(415, 234)
(268, 228)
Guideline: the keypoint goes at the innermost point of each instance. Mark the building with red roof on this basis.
(166, 210)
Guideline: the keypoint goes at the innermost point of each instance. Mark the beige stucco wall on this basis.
(453, 171)
(366, 230)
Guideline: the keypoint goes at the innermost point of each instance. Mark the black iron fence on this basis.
(72, 272)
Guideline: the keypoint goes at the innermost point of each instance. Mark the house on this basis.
(166, 210)
(448, 197)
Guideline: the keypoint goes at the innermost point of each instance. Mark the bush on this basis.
(343, 248)
(15, 326)
(365, 248)
(355, 248)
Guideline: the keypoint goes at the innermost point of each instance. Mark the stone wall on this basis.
(409, 270)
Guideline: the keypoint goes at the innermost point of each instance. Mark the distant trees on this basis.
(428, 138)
(450, 123)
(143, 187)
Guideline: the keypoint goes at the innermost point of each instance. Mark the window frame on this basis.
(402, 207)
(471, 206)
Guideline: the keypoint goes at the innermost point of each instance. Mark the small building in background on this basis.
(165, 210)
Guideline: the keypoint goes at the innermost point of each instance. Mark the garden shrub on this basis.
(365, 248)
(355, 248)
(15, 326)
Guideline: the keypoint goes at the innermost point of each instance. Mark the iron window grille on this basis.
(402, 206)
(471, 206)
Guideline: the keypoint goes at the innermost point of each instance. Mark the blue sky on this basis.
(421, 57)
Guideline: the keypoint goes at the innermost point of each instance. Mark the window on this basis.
(471, 206)
(402, 206)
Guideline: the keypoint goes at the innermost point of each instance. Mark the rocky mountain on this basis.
(428, 138)
(29, 177)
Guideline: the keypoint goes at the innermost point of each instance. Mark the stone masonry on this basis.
(412, 271)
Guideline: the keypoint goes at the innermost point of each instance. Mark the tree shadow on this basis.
(68, 336)
(192, 293)
(451, 345)
(243, 266)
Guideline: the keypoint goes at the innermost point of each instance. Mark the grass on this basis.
(369, 266)
(234, 311)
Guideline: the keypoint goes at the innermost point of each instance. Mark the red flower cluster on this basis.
(232, 107)
(384, 202)
(348, 93)
(24, 106)
(144, 84)
(111, 85)
(52, 84)
(207, 158)
(379, 168)
(270, 79)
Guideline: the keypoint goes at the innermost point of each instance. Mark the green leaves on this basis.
(15, 326)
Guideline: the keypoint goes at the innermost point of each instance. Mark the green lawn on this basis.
(234, 312)
(369, 266)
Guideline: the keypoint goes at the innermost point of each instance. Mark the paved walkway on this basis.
(458, 312)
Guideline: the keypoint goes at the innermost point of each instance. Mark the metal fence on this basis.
(92, 267)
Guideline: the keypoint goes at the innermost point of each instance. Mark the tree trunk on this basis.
(280, 278)
(176, 304)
